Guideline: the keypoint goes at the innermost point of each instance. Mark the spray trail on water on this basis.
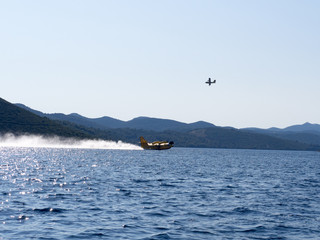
(10, 140)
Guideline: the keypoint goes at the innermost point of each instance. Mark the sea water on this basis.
(181, 193)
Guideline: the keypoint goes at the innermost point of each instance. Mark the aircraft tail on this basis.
(143, 142)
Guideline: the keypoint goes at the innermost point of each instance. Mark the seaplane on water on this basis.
(210, 82)
(158, 145)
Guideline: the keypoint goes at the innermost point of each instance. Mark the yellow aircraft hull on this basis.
(158, 145)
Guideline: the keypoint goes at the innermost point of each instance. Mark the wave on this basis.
(38, 141)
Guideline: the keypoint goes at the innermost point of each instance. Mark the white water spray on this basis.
(10, 140)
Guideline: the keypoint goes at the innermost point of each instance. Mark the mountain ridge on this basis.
(184, 135)
(14, 119)
(306, 133)
(142, 122)
(305, 127)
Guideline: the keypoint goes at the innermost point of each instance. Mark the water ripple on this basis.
(177, 194)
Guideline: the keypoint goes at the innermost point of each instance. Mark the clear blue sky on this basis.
(126, 59)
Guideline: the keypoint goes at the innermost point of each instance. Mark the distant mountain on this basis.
(16, 120)
(304, 137)
(306, 127)
(99, 123)
(215, 137)
(235, 138)
(159, 125)
(105, 123)
(200, 134)
(305, 133)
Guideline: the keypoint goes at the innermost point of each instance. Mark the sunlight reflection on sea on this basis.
(49, 193)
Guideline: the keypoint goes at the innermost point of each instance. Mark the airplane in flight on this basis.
(210, 82)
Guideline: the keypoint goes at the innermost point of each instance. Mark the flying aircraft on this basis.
(210, 82)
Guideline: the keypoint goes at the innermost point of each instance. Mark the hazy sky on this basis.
(126, 59)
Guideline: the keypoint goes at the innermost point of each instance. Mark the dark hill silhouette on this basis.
(234, 138)
(200, 134)
(306, 127)
(214, 137)
(305, 133)
(16, 120)
(100, 123)
(105, 123)
(159, 125)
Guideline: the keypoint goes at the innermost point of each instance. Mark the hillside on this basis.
(214, 137)
(234, 138)
(200, 134)
(106, 123)
(306, 127)
(16, 120)
(305, 133)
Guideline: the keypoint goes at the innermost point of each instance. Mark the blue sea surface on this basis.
(180, 193)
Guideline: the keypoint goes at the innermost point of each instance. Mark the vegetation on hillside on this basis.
(14, 119)
(19, 121)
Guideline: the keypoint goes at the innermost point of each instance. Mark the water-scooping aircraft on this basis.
(158, 145)
(210, 82)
